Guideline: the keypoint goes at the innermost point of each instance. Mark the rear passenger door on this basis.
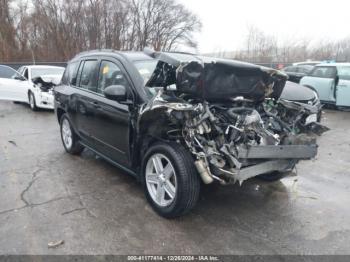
(84, 99)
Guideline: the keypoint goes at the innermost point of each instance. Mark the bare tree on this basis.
(260, 47)
(263, 48)
(7, 32)
(58, 29)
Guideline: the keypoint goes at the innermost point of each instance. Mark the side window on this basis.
(286, 69)
(290, 69)
(110, 74)
(7, 72)
(88, 77)
(300, 69)
(331, 72)
(25, 74)
(20, 70)
(306, 69)
(70, 74)
(324, 72)
(344, 72)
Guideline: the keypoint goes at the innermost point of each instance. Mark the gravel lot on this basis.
(47, 195)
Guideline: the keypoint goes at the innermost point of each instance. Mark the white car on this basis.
(19, 86)
(37, 96)
(13, 86)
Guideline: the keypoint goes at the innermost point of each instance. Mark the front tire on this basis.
(69, 139)
(170, 179)
(32, 102)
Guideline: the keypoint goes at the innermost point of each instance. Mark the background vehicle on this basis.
(13, 86)
(28, 85)
(39, 97)
(151, 116)
(332, 83)
(296, 72)
(302, 94)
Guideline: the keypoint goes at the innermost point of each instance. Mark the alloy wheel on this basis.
(67, 134)
(161, 180)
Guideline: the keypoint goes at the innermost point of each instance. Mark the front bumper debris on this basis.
(278, 152)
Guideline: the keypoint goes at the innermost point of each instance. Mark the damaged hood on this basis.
(216, 79)
(54, 79)
(47, 82)
(229, 115)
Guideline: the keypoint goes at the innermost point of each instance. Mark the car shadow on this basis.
(254, 197)
(253, 193)
(26, 106)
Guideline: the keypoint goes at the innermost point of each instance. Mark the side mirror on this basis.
(115, 92)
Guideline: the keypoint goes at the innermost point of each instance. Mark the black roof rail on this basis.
(94, 50)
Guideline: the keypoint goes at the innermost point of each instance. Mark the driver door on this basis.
(13, 86)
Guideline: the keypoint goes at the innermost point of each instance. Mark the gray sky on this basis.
(225, 22)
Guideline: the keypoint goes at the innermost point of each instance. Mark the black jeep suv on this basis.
(176, 121)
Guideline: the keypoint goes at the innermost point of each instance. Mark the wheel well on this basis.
(312, 88)
(141, 148)
(153, 128)
(60, 113)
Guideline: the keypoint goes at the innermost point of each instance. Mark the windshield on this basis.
(146, 69)
(46, 71)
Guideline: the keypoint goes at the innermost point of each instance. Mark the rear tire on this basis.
(170, 179)
(70, 140)
(32, 102)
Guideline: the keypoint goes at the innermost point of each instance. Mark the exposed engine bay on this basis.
(230, 117)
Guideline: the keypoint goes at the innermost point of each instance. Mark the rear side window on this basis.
(324, 72)
(88, 76)
(70, 74)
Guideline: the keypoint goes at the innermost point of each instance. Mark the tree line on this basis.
(260, 47)
(56, 30)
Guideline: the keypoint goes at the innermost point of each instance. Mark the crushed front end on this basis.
(231, 119)
(43, 90)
